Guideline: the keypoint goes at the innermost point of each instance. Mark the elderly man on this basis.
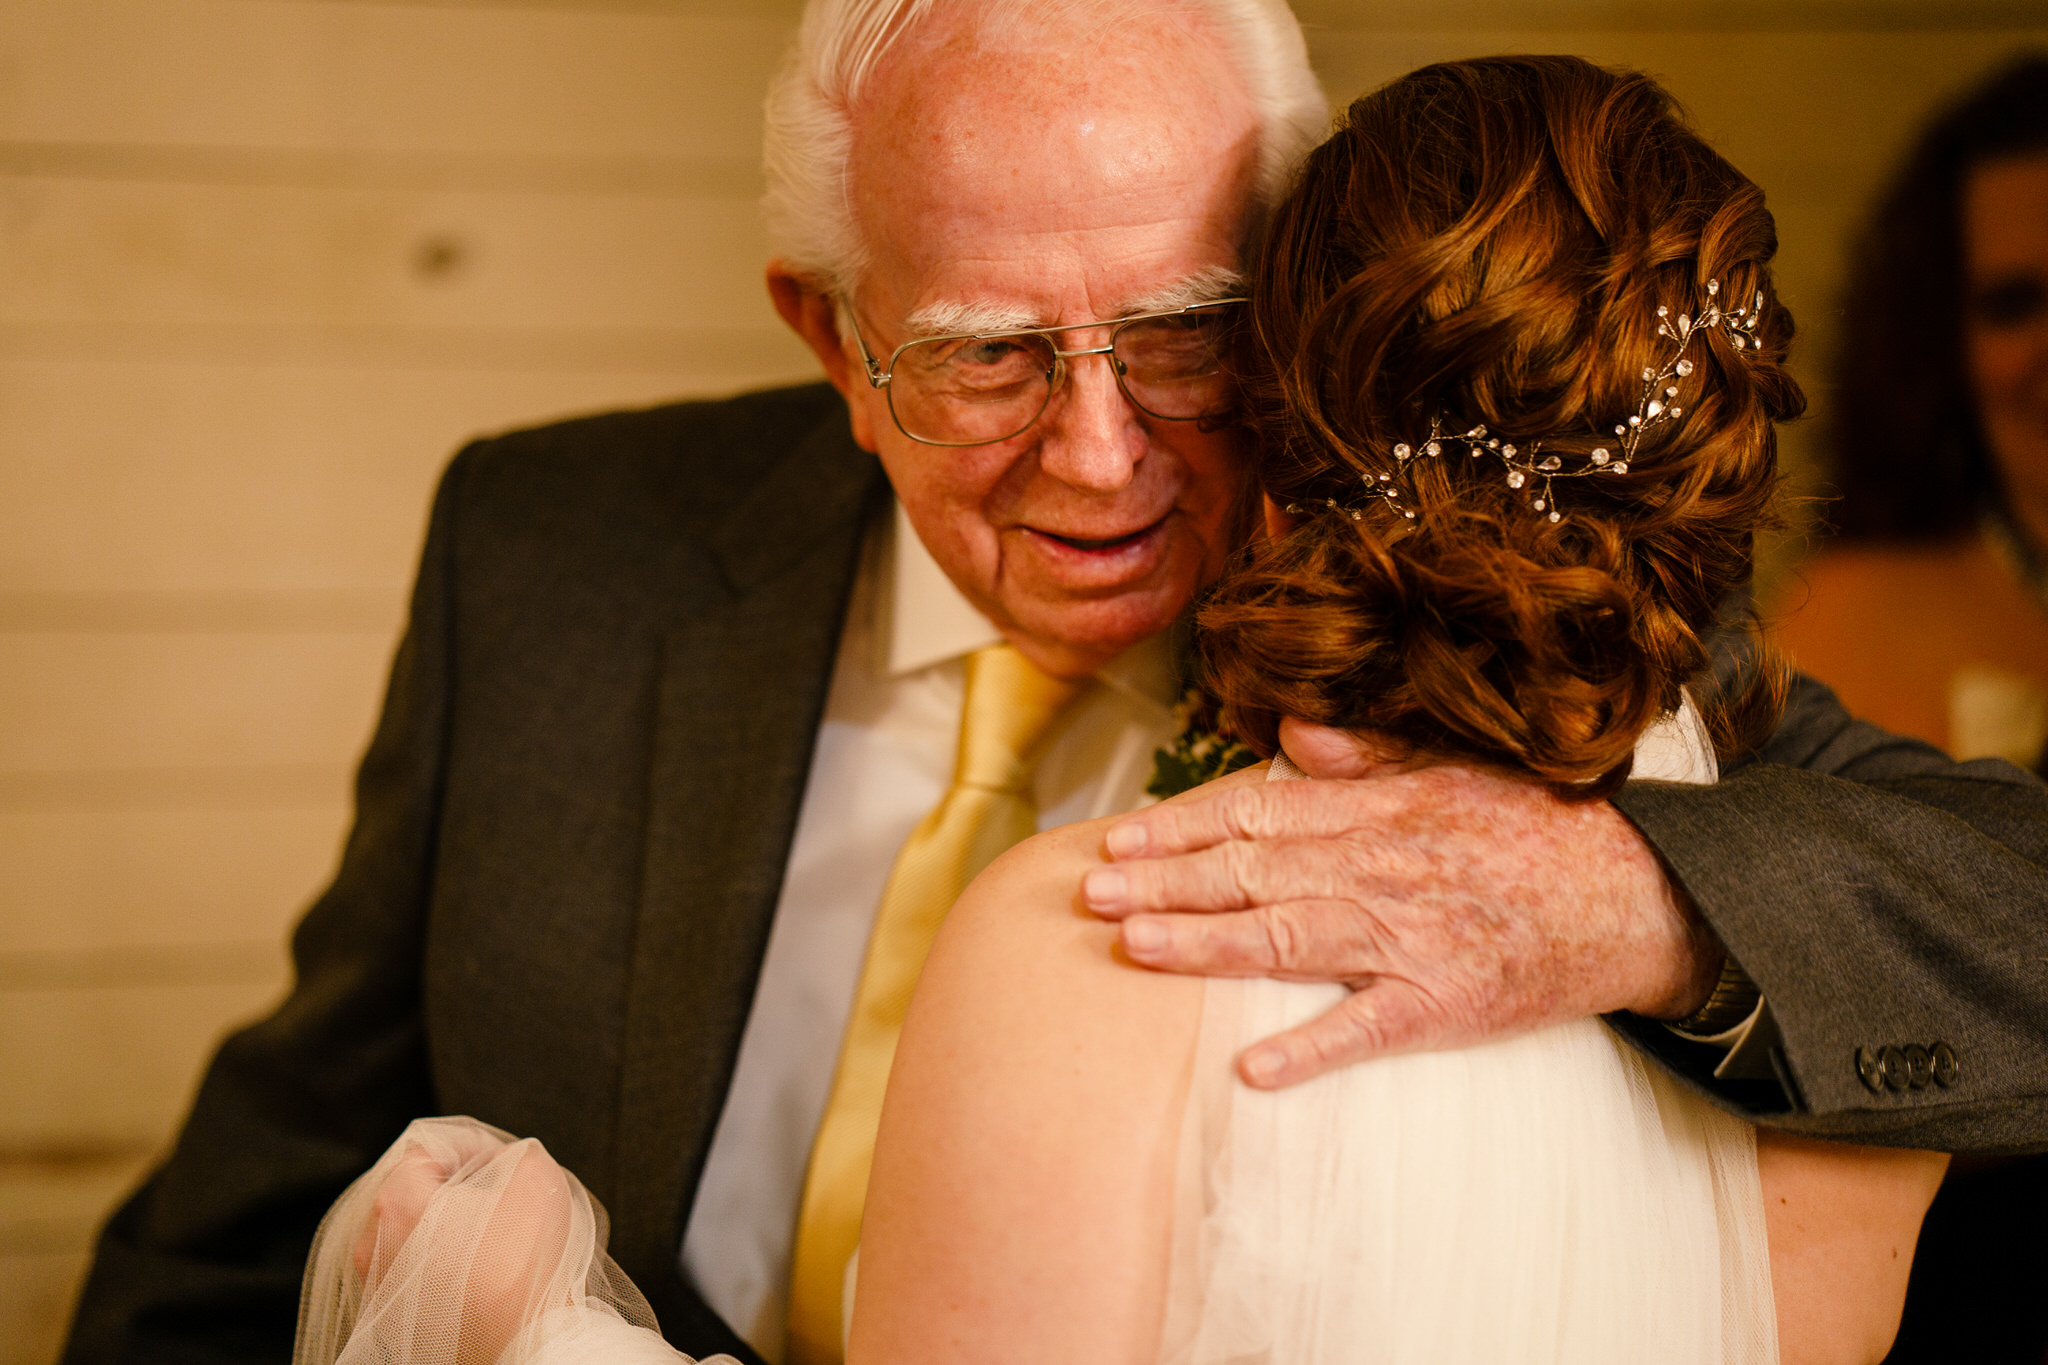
(679, 684)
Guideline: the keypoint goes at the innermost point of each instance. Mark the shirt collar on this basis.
(926, 621)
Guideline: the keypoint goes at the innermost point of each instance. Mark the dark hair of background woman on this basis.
(1492, 240)
(1906, 453)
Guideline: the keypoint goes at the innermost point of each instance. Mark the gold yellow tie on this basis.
(1010, 707)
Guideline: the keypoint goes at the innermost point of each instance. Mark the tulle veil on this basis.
(466, 1246)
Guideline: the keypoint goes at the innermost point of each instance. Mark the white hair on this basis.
(809, 135)
(948, 317)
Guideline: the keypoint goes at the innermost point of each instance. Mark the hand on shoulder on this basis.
(1459, 903)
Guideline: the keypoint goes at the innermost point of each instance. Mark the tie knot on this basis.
(1011, 705)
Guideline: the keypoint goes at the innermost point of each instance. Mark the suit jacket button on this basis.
(1870, 1070)
(1891, 1063)
(1919, 1067)
(1946, 1067)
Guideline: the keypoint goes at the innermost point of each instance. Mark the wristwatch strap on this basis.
(1734, 999)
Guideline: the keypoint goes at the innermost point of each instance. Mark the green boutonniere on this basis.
(1199, 752)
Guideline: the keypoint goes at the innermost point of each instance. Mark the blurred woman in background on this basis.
(1929, 608)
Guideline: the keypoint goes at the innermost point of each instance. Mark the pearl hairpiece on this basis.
(1527, 465)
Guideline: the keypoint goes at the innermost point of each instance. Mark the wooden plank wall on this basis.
(262, 267)
(264, 263)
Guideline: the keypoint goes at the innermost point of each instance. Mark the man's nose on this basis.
(1092, 438)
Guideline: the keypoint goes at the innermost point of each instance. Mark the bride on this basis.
(1515, 360)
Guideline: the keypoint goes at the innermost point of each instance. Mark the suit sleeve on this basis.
(203, 1263)
(1882, 896)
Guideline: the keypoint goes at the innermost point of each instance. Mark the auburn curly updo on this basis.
(1490, 241)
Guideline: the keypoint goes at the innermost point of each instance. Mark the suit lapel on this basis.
(743, 688)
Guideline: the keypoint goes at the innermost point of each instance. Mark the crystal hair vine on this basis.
(1527, 466)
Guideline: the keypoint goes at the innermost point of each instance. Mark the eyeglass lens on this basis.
(977, 390)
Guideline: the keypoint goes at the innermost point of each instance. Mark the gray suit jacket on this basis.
(555, 901)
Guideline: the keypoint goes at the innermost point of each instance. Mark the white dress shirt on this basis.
(884, 758)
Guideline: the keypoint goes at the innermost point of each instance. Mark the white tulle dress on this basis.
(1550, 1198)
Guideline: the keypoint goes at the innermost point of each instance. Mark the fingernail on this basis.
(1104, 888)
(1263, 1065)
(1144, 937)
(1127, 841)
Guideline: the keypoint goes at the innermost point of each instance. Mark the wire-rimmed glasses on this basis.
(977, 388)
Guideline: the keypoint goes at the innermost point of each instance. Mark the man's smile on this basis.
(1102, 542)
(1091, 564)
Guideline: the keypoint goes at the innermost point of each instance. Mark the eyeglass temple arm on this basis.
(876, 379)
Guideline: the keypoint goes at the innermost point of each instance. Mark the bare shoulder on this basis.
(1027, 992)
(1842, 1223)
(1022, 924)
(1029, 900)
(1036, 1094)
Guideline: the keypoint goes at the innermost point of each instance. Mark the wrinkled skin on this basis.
(1458, 903)
(1054, 187)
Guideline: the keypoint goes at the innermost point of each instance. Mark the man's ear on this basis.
(814, 315)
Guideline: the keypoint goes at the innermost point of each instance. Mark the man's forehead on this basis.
(1082, 157)
(1042, 239)
(1021, 187)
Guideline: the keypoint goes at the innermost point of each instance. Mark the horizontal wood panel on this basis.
(244, 478)
(480, 79)
(1796, 98)
(350, 611)
(144, 701)
(713, 177)
(146, 252)
(227, 963)
(51, 1205)
(35, 1310)
(95, 1068)
(1630, 14)
(660, 80)
(198, 787)
(680, 360)
(1582, 16)
(51, 1201)
(124, 895)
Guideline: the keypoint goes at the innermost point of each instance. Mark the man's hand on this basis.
(1458, 903)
